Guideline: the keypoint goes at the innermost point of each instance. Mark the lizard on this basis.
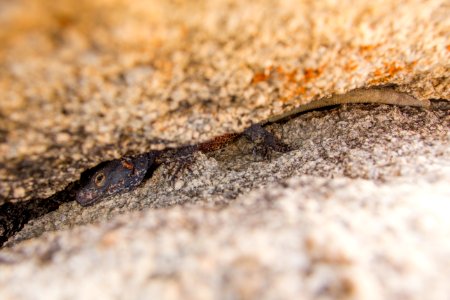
(122, 175)
(125, 174)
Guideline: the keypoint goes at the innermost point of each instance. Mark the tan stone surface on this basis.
(312, 238)
(84, 81)
(358, 210)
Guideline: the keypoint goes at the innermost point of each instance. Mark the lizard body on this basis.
(122, 175)
(370, 95)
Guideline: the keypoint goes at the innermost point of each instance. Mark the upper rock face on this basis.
(85, 81)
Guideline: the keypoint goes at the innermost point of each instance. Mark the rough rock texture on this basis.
(309, 238)
(365, 216)
(358, 210)
(82, 81)
(350, 142)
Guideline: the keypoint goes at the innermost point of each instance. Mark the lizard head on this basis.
(111, 177)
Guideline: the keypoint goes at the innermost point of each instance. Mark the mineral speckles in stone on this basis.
(112, 177)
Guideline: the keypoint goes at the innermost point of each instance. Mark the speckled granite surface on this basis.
(364, 215)
(287, 242)
(359, 209)
(84, 81)
(349, 142)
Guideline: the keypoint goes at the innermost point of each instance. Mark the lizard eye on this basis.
(99, 179)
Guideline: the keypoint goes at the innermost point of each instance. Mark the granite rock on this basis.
(357, 210)
(82, 82)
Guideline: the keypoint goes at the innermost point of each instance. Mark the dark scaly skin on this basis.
(122, 175)
(112, 177)
(264, 141)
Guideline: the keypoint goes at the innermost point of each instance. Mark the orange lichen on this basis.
(409, 66)
(293, 84)
(297, 87)
(300, 90)
(366, 51)
(378, 72)
(291, 76)
(311, 74)
(350, 66)
(259, 77)
(365, 48)
(265, 75)
(390, 69)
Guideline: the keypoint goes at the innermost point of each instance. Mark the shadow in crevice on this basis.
(14, 216)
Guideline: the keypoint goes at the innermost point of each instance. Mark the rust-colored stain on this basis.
(448, 47)
(389, 70)
(268, 72)
(291, 76)
(366, 48)
(392, 68)
(311, 74)
(298, 87)
(350, 66)
(294, 83)
(259, 77)
(164, 65)
(378, 72)
(366, 51)
(300, 90)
